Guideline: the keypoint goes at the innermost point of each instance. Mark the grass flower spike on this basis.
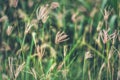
(9, 30)
(54, 5)
(42, 13)
(40, 52)
(28, 27)
(88, 55)
(106, 37)
(106, 13)
(61, 37)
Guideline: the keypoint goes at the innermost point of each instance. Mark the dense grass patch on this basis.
(60, 40)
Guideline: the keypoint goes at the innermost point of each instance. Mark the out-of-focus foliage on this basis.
(59, 39)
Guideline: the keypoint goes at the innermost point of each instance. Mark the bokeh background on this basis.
(36, 56)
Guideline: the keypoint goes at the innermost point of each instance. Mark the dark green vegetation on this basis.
(59, 39)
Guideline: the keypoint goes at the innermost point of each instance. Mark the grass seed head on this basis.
(19, 69)
(99, 26)
(40, 52)
(33, 72)
(3, 18)
(13, 3)
(28, 27)
(106, 37)
(9, 30)
(60, 66)
(54, 5)
(88, 55)
(65, 50)
(61, 37)
(42, 13)
(107, 13)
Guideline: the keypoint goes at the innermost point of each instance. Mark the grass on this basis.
(60, 40)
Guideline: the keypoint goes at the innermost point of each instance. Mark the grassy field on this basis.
(59, 40)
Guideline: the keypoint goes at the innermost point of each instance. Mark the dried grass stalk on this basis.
(19, 69)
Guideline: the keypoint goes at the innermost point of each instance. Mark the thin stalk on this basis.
(75, 30)
(23, 45)
(84, 66)
(29, 58)
(41, 66)
(23, 41)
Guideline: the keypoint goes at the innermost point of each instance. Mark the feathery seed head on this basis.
(106, 13)
(9, 30)
(42, 13)
(88, 55)
(61, 37)
(54, 5)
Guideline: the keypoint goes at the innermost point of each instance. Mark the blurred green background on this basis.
(83, 57)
